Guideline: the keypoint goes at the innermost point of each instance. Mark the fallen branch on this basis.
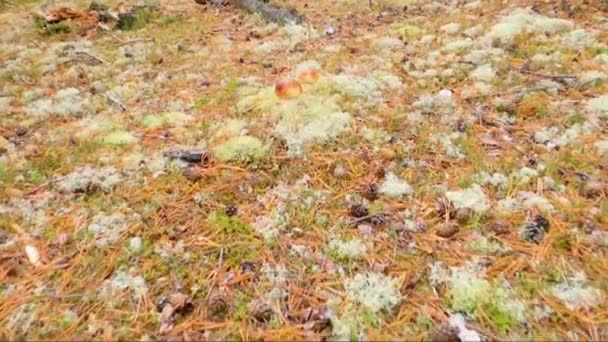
(98, 59)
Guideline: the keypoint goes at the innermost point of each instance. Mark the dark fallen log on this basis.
(267, 11)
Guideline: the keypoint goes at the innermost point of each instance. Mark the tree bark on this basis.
(267, 11)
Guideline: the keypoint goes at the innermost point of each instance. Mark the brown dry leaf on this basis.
(63, 13)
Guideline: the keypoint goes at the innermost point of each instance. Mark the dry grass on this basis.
(63, 296)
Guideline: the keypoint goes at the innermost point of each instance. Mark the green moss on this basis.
(169, 19)
(564, 242)
(48, 29)
(134, 20)
(228, 224)
(222, 97)
(241, 148)
(49, 162)
(501, 319)
(407, 31)
(36, 177)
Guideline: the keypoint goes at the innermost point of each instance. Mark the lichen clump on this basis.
(87, 178)
(243, 148)
(394, 187)
(472, 198)
(374, 291)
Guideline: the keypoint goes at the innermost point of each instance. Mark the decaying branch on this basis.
(267, 11)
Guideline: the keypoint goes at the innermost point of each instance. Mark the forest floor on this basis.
(438, 173)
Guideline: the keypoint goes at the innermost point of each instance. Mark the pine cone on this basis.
(358, 211)
(218, 304)
(535, 229)
(378, 219)
(445, 333)
(260, 310)
(463, 215)
(370, 191)
(247, 267)
(447, 229)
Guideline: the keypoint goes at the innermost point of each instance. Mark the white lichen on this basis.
(393, 186)
(241, 148)
(266, 227)
(530, 200)
(483, 244)
(496, 179)
(598, 105)
(374, 291)
(351, 249)
(87, 178)
(472, 197)
(525, 20)
(123, 280)
(484, 73)
(67, 102)
(575, 295)
(602, 146)
(578, 39)
(468, 290)
(107, 228)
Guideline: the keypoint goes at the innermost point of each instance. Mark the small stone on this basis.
(260, 310)
(447, 229)
(500, 227)
(463, 215)
(192, 174)
(593, 189)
